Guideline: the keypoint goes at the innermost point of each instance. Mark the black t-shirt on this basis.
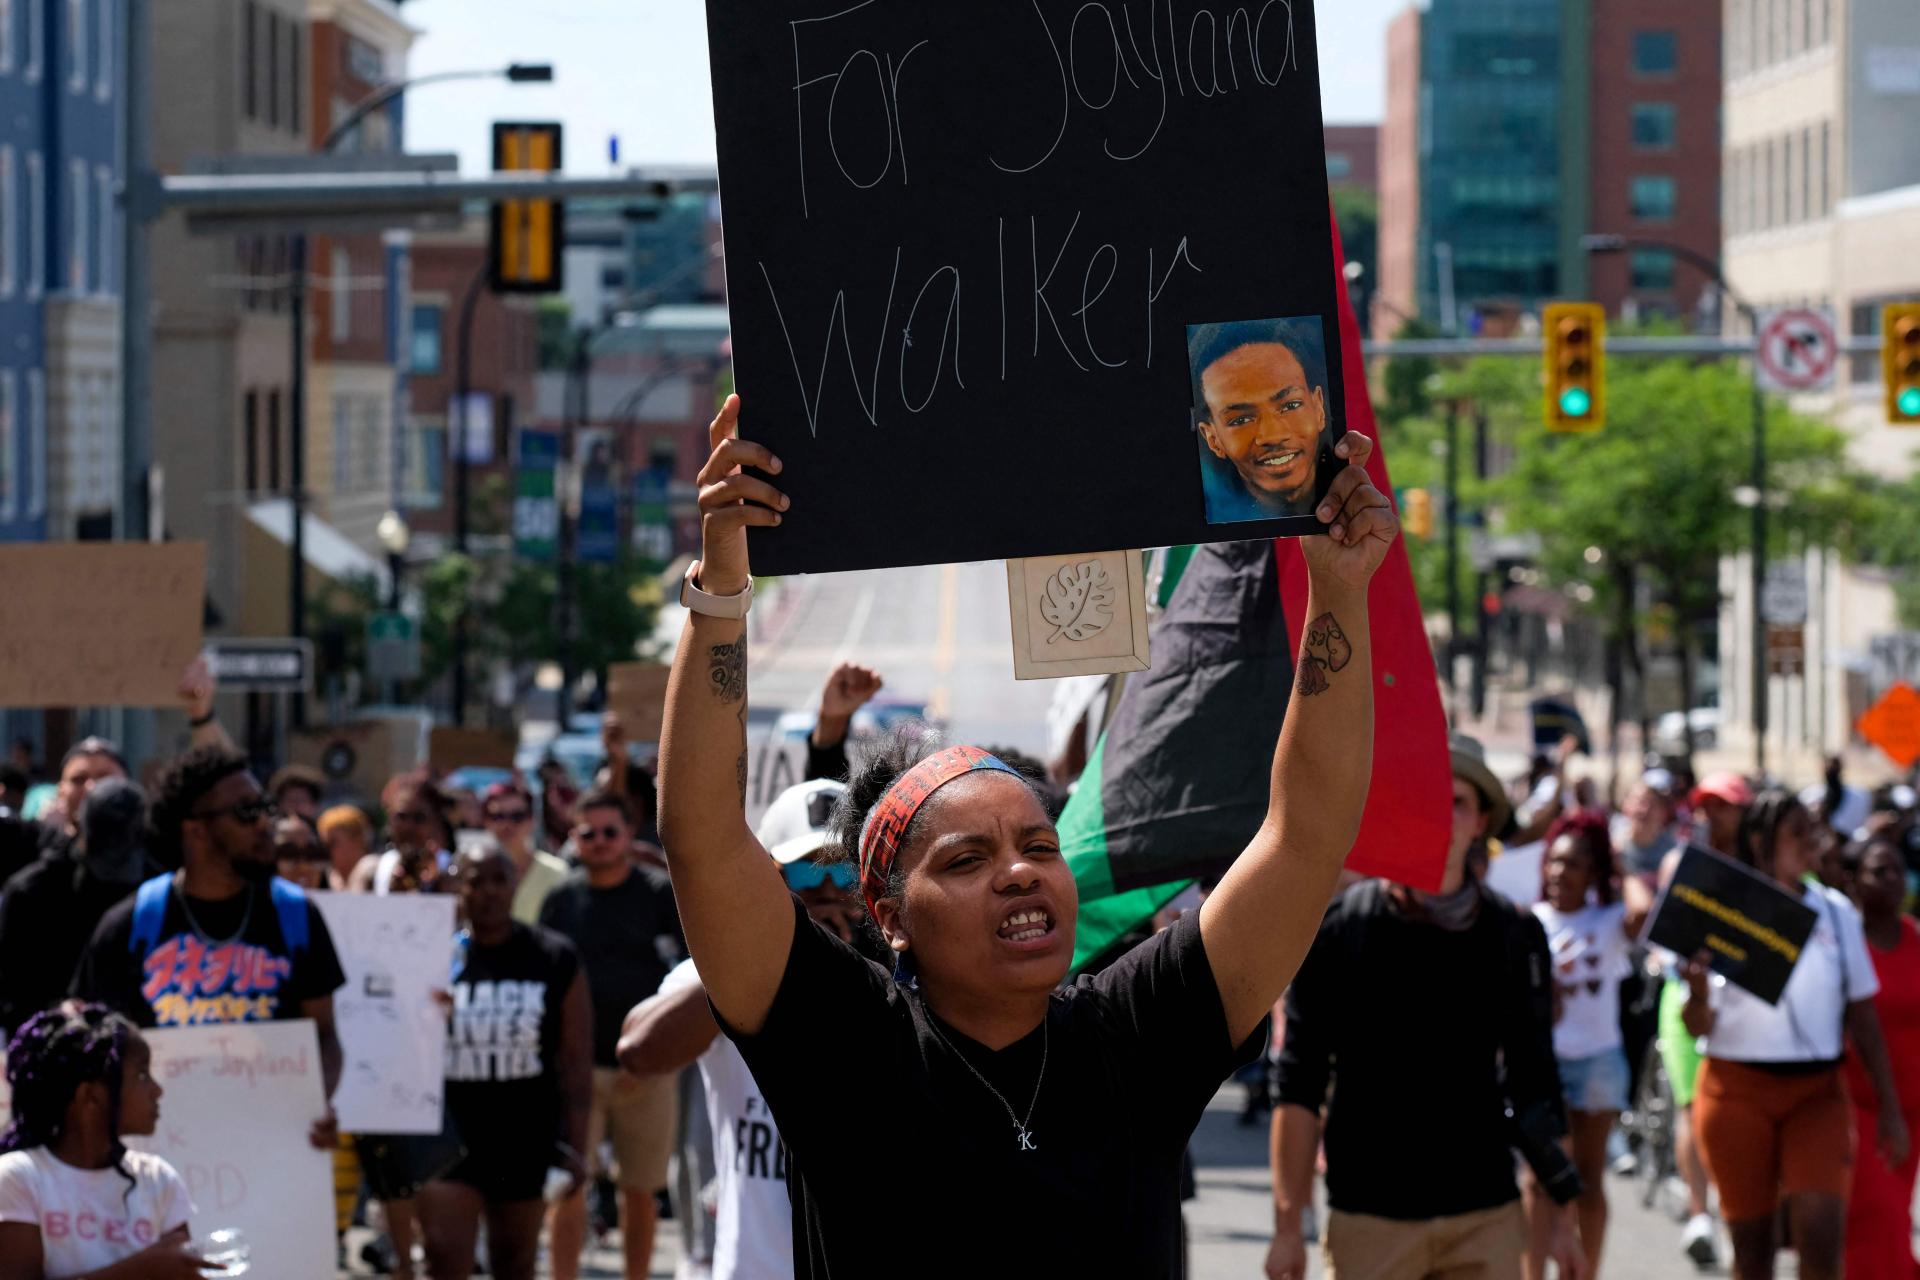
(901, 1161)
(1413, 1026)
(628, 937)
(47, 913)
(503, 1041)
(239, 970)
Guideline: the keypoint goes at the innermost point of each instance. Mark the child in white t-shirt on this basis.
(74, 1202)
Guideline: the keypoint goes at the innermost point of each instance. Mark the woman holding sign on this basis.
(1771, 1114)
(1001, 1122)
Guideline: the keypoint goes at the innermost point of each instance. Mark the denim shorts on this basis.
(1598, 1083)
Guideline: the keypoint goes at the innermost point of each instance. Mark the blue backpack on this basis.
(150, 913)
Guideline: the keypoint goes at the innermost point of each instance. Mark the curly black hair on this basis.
(180, 787)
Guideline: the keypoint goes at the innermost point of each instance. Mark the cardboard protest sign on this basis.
(99, 624)
(1753, 928)
(449, 748)
(233, 1120)
(774, 763)
(1027, 277)
(637, 693)
(395, 950)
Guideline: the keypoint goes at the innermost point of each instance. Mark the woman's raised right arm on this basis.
(734, 907)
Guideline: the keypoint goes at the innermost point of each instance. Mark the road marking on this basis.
(937, 707)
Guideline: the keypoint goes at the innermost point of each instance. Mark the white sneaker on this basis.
(1697, 1241)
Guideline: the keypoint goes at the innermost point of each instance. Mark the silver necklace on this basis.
(246, 918)
(1022, 1128)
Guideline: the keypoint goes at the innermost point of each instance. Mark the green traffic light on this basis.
(1577, 402)
(1909, 402)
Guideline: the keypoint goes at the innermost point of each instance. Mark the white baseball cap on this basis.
(795, 825)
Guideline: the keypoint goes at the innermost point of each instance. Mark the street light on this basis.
(394, 536)
(1607, 243)
(513, 73)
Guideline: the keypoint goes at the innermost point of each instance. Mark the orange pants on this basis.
(1880, 1212)
(1765, 1135)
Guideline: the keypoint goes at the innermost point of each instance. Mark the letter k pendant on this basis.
(1026, 1140)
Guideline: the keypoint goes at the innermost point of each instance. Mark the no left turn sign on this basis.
(1798, 350)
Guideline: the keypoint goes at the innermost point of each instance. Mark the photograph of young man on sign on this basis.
(1260, 411)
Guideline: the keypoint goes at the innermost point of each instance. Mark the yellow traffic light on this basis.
(1576, 352)
(528, 236)
(1416, 512)
(1900, 362)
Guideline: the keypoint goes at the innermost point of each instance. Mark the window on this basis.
(77, 45)
(426, 352)
(1826, 167)
(79, 193)
(1652, 269)
(1653, 126)
(250, 430)
(294, 31)
(1808, 210)
(342, 444)
(364, 62)
(271, 89)
(33, 269)
(34, 425)
(1339, 164)
(1652, 199)
(103, 271)
(341, 295)
(9, 222)
(103, 59)
(373, 422)
(6, 36)
(273, 441)
(1789, 190)
(250, 61)
(426, 464)
(36, 39)
(9, 437)
(1655, 53)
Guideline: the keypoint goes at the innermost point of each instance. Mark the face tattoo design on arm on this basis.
(1327, 650)
(728, 678)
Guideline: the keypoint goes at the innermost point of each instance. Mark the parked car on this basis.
(1669, 731)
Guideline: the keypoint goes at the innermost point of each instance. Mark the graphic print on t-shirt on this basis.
(495, 1032)
(188, 981)
(757, 1149)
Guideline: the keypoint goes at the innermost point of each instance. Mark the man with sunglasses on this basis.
(221, 939)
(753, 1233)
(507, 810)
(620, 915)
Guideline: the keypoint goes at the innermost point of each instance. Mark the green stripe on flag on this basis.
(1105, 916)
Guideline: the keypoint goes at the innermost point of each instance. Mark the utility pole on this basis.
(462, 396)
(1453, 545)
(1483, 621)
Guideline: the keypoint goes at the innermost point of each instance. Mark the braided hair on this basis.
(51, 1056)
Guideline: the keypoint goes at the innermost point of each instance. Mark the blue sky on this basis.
(638, 68)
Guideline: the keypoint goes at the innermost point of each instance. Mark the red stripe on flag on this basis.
(1409, 819)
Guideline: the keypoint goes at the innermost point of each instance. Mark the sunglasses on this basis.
(804, 875)
(597, 833)
(509, 815)
(246, 812)
(299, 853)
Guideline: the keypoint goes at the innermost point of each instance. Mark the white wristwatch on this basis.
(692, 597)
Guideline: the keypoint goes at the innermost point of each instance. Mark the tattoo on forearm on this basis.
(740, 769)
(1326, 651)
(728, 672)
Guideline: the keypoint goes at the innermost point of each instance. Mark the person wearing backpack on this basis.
(221, 939)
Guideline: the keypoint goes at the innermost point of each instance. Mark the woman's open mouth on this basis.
(1028, 924)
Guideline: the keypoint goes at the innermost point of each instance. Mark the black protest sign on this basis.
(1752, 928)
(970, 248)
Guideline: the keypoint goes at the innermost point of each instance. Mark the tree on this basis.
(1654, 493)
(1356, 212)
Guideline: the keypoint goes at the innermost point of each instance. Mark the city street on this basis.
(938, 634)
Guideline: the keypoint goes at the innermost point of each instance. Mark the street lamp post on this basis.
(515, 73)
(1597, 244)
